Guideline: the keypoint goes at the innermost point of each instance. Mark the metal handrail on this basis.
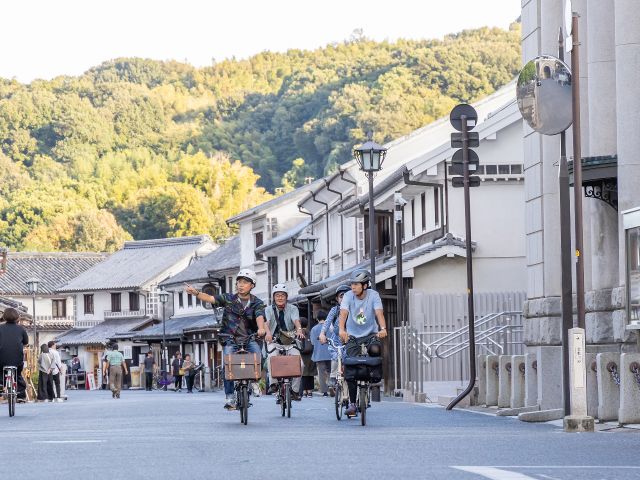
(481, 336)
(461, 332)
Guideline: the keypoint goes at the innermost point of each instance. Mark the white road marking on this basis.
(69, 441)
(495, 473)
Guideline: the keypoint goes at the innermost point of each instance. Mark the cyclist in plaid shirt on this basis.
(243, 315)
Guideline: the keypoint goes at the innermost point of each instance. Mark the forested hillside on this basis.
(138, 148)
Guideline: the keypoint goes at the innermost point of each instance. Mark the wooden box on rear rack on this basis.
(242, 366)
(282, 366)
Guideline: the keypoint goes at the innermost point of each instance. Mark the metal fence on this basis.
(434, 346)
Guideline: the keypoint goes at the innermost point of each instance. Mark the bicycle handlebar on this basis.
(236, 340)
(280, 347)
(334, 344)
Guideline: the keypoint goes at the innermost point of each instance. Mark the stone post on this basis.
(577, 421)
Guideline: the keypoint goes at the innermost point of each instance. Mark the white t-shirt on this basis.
(362, 316)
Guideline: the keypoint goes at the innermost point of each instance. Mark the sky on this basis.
(47, 38)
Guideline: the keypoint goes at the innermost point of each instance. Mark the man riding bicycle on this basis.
(365, 324)
(13, 339)
(243, 316)
(284, 322)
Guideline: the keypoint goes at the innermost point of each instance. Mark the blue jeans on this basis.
(252, 347)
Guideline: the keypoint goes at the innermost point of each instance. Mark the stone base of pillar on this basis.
(578, 423)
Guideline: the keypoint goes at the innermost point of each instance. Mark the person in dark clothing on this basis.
(13, 339)
(189, 372)
(45, 380)
(309, 370)
(149, 367)
(177, 371)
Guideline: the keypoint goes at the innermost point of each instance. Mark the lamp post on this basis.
(370, 157)
(164, 298)
(32, 286)
(307, 242)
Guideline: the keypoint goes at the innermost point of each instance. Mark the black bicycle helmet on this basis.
(360, 276)
(342, 289)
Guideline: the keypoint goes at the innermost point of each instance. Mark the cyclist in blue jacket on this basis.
(330, 330)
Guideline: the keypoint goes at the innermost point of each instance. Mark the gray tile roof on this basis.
(52, 269)
(225, 257)
(8, 303)
(287, 197)
(101, 333)
(174, 327)
(284, 238)
(136, 264)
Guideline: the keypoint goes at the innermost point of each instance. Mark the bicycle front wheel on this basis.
(363, 405)
(12, 404)
(282, 398)
(197, 383)
(338, 401)
(245, 405)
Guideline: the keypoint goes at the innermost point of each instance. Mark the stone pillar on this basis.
(549, 377)
(629, 389)
(592, 385)
(608, 389)
(207, 369)
(602, 137)
(504, 381)
(481, 363)
(492, 380)
(627, 52)
(517, 381)
(531, 380)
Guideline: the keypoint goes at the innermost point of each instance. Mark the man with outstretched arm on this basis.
(243, 316)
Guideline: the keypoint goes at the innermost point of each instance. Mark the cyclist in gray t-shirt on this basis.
(363, 307)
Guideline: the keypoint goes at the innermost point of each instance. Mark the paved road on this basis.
(174, 435)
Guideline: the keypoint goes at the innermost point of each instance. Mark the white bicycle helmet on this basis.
(248, 274)
(279, 287)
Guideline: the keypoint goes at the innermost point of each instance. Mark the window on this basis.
(633, 272)
(189, 301)
(116, 305)
(198, 302)
(436, 206)
(413, 217)
(297, 264)
(88, 303)
(423, 213)
(181, 300)
(286, 270)
(491, 169)
(259, 239)
(134, 301)
(503, 169)
(293, 275)
(516, 169)
(59, 308)
(403, 222)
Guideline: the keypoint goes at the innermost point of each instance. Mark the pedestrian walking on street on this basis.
(13, 339)
(243, 315)
(189, 372)
(149, 368)
(45, 383)
(117, 366)
(321, 355)
(177, 370)
(309, 370)
(56, 368)
(361, 318)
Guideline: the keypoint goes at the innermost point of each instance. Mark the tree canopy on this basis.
(137, 148)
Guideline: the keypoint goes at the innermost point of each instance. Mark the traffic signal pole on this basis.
(467, 221)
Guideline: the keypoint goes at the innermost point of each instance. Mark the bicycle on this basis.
(290, 368)
(161, 381)
(198, 381)
(362, 366)
(242, 375)
(10, 387)
(341, 398)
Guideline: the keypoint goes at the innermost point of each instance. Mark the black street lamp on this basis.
(32, 286)
(307, 242)
(164, 298)
(370, 157)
